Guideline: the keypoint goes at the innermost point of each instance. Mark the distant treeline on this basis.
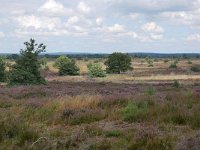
(89, 55)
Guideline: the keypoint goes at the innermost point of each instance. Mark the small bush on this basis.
(189, 62)
(166, 61)
(113, 133)
(95, 70)
(66, 66)
(151, 91)
(195, 68)
(173, 65)
(150, 63)
(135, 112)
(176, 84)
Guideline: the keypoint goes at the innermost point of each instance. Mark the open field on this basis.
(141, 73)
(139, 110)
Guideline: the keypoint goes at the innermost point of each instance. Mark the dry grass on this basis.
(80, 102)
(141, 73)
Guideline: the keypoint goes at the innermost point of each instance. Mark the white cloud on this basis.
(152, 27)
(73, 20)
(183, 18)
(116, 28)
(2, 35)
(83, 7)
(99, 21)
(194, 37)
(52, 6)
(35, 22)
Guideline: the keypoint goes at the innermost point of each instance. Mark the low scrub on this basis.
(95, 70)
(195, 68)
(134, 112)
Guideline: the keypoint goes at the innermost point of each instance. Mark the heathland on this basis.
(155, 106)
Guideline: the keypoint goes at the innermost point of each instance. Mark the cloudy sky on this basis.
(166, 26)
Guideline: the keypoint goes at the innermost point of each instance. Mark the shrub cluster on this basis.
(95, 70)
(66, 66)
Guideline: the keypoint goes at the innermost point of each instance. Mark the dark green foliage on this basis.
(135, 112)
(189, 62)
(66, 66)
(176, 84)
(166, 61)
(118, 62)
(95, 70)
(60, 61)
(151, 91)
(26, 70)
(113, 133)
(2, 69)
(69, 68)
(150, 62)
(174, 64)
(195, 68)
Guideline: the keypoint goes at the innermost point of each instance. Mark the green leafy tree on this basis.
(95, 70)
(118, 62)
(26, 70)
(2, 69)
(66, 66)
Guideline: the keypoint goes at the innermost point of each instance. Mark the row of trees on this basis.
(26, 69)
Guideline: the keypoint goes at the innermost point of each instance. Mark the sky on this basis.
(101, 26)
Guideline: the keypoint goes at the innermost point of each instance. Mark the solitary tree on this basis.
(66, 66)
(118, 62)
(26, 70)
(2, 69)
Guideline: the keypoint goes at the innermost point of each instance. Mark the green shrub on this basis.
(151, 91)
(113, 133)
(13, 129)
(118, 62)
(2, 69)
(176, 84)
(173, 65)
(26, 69)
(150, 63)
(166, 61)
(60, 61)
(195, 68)
(189, 62)
(66, 66)
(135, 112)
(95, 70)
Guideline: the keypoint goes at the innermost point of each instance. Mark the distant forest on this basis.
(90, 55)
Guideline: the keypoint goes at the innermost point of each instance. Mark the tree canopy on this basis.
(26, 69)
(118, 62)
